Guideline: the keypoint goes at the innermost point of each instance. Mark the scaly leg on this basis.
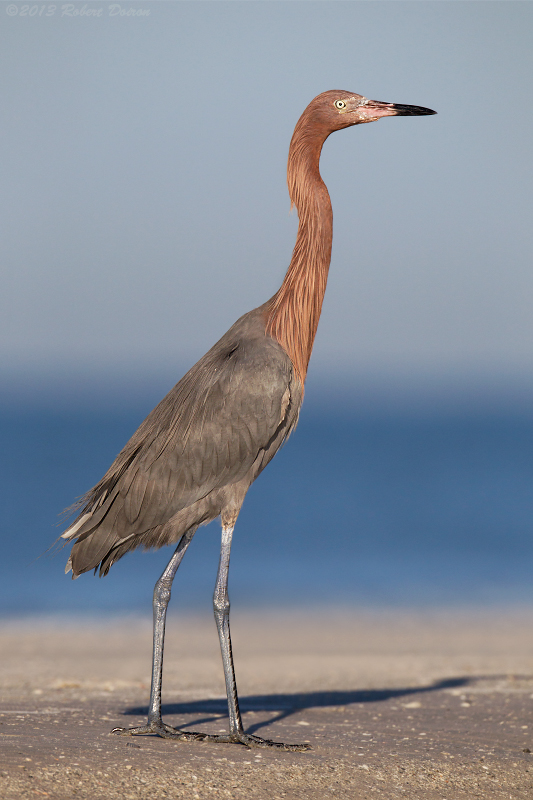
(160, 604)
(221, 606)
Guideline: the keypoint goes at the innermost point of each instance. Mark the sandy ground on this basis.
(394, 705)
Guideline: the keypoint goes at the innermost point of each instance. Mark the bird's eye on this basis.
(340, 104)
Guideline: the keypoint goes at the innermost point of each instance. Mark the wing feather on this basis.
(205, 434)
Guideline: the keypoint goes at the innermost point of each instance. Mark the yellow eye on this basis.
(340, 104)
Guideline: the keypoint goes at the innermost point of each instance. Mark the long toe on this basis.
(249, 740)
(156, 728)
(159, 728)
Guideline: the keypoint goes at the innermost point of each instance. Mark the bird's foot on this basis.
(159, 728)
(249, 740)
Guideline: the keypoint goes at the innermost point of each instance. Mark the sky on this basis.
(144, 206)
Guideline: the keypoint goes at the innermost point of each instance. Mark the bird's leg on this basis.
(221, 606)
(160, 604)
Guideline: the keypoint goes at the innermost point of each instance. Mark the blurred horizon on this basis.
(328, 391)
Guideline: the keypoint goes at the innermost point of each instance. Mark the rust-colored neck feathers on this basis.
(294, 311)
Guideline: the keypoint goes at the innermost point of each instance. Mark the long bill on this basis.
(374, 109)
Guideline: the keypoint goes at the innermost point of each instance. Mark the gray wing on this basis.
(205, 434)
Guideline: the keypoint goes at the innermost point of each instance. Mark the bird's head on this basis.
(334, 110)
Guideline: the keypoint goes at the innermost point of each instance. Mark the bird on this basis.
(195, 456)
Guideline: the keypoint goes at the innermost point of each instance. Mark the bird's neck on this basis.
(294, 311)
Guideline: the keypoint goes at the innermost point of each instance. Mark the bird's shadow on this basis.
(288, 704)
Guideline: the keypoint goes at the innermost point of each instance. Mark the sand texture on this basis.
(436, 705)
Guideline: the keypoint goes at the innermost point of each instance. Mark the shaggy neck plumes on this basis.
(294, 311)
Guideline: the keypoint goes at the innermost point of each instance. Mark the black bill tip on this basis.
(410, 111)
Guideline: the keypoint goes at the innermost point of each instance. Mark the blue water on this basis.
(360, 509)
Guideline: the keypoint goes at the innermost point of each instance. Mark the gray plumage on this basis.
(196, 454)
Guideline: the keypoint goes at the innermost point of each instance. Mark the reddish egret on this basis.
(197, 453)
